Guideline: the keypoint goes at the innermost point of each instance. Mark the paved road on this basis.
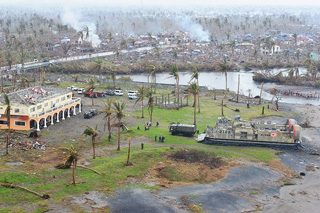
(75, 58)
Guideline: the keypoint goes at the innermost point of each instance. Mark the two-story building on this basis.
(38, 107)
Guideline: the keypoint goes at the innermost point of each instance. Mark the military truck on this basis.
(183, 129)
(247, 133)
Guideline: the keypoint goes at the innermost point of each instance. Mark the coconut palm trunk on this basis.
(198, 96)
(94, 147)
(73, 168)
(119, 120)
(178, 88)
(195, 109)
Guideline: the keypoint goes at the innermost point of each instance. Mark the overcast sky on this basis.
(167, 2)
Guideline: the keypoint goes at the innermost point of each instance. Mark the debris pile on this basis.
(28, 145)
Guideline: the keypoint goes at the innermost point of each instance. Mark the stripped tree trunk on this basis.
(10, 185)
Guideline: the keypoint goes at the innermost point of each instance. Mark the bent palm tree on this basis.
(142, 93)
(195, 75)
(118, 115)
(174, 73)
(194, 89)
(89, 131)
(108, 112)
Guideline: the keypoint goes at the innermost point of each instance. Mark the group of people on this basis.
(161, 138)
(297, 93)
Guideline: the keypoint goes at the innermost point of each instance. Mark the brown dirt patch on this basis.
(176, 173)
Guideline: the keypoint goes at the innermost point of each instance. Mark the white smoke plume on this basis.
(75, 20)
(194, 29)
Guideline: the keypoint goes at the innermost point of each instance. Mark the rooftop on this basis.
(33, 95)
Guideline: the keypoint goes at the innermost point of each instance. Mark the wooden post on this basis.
(238, 88)
(162, 99)
(261, 93)
(263, 110)
(128, 163)
(168, 98)
(187, 100)
(222, 107)
(181, 102)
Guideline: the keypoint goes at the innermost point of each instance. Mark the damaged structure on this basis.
(38, 107)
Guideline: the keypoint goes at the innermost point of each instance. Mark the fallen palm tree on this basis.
(10, 185)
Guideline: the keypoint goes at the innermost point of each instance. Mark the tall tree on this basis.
(153, 76)
(107, 110)
(194, 90)
(91, 87)
(150, 97)
(223, 66)
(98, 67)
(89, 131)
(195, 75)
(72, 159)
(7, 113)
(142, 93)
(174, 72)
(118, 108)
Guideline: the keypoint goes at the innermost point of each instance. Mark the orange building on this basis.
(38, 107)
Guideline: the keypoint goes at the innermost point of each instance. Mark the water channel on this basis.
(216, 80)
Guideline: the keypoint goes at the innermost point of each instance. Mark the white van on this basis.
(131, 93)
(118, 92)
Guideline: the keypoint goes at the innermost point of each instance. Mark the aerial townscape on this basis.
(165, 106)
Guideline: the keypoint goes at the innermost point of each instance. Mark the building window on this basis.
(46, 104)
(39, 106)
(19, 123)
(16, 110)
(63, 98)
(32, 109)
(68, 96)
(3, 122)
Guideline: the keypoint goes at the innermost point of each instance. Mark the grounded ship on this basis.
(248, 133)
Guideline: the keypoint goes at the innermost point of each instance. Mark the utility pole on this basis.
(238, 88)
(261, 93)
(222, 108)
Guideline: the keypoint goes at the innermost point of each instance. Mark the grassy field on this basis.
(48, 180)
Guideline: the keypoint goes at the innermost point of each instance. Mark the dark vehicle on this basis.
(87, 115)
(46, 60)
(110, 92)
(184, 129)
(93, 112)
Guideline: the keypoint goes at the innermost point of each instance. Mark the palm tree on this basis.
(108, 112)
(150, 103)
(91, 87)
(195, 75)
(194, 89)
(118, 108)
(7, 112)
(174, 74)
(89, 131)
(224, 67)
(72, 159)
(98, 66)
(295, 38)
(153, 75)
(142, 93)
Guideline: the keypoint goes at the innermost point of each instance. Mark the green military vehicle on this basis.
(247, 133)
(183, 129)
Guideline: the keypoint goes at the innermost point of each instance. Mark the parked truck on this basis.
(183, 129)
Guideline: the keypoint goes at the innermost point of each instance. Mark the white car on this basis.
(80, 90)
(71, 87)
(118, 92)
(130, 93)
(75, 89)
(133, 97)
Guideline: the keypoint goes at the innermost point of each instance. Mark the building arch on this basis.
(33, 124)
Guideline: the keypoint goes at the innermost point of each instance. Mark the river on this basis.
(216, 80)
